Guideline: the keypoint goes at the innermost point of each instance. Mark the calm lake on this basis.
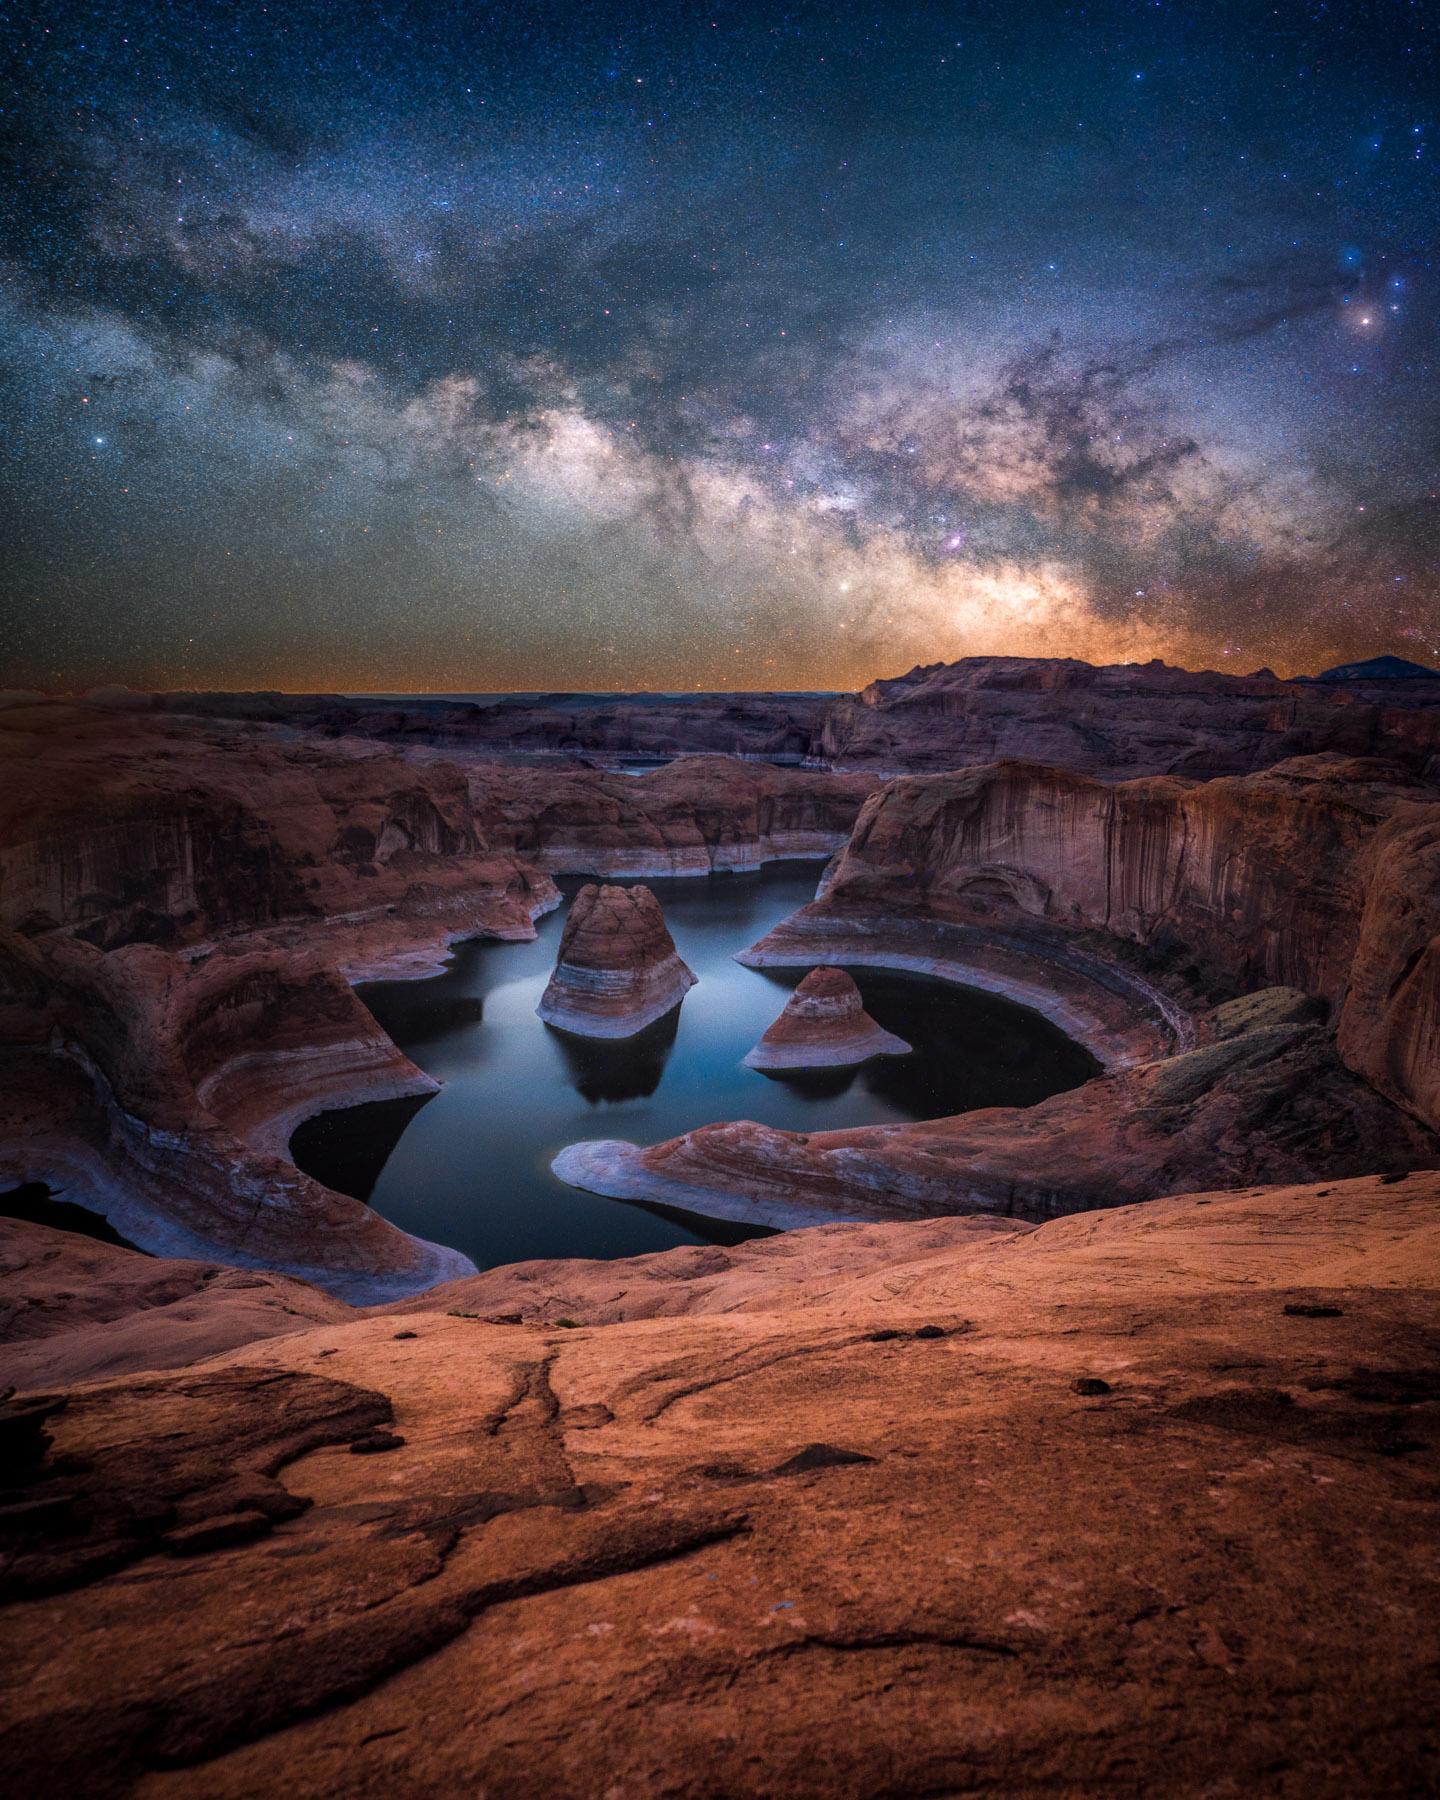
(470, 1165)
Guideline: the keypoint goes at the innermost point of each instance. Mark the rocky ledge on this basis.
(824, 1026)
(618, 970)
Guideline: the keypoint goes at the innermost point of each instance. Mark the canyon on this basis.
(746, 1487)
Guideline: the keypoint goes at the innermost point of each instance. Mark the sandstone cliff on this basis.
(1121, 721)
(1320, 874)
(697, 816)
(125, 828)
(160, 1093)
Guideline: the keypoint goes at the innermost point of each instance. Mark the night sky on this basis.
(472, 348)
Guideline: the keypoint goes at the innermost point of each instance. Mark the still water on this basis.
(470, 1165)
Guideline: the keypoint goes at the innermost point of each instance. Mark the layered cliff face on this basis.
(824, 1025)
(1319, 874)
(124, 828)
(617, 970)
(887, 1475)
(191, 900)
(699, 815)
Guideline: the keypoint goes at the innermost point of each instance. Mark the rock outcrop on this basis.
(160, 1093)
(73, 1309)
(784, 1493)
(124, 828)
(188, 902)
(1264, 1098)
(618, 970)
(824, 1026)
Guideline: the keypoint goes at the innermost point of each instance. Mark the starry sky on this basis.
(471, 347)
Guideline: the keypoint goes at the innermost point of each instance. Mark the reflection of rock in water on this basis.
(420, 1019)
(613, 1069)
(960, 1040)
(815, 1084)
(347, 1149)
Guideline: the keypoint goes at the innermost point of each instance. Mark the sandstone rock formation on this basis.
(618, 970)
(1121, 721)
(1263, 1100)
(1071, 1510)
(122, 828)
(72, 1309)
(824, 1025)
(160, 1093)
(696, 816)
(1320, 874)
(188, 902)
(192, 882)
(887, 1473)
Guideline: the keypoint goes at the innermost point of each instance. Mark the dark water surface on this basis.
(470, 1166)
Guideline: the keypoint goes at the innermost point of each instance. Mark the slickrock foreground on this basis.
(618, 970)
(1137, 1503)
(824, 1026)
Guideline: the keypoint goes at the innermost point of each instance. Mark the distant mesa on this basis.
(1381, 668)
(824, 1026)
(618, 970)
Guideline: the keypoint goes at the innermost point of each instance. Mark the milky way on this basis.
(471, 348)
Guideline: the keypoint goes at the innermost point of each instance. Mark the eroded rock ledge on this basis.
(1322, 874)
(182, 907)
(617, 970)
(1266, 1099)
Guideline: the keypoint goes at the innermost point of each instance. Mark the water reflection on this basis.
(616, 1069)
(815, 1084)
